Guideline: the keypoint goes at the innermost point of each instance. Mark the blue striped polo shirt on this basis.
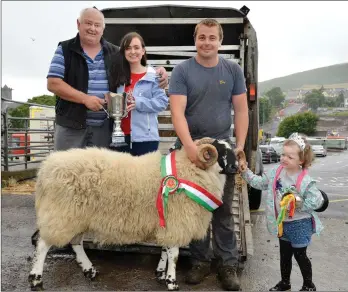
(97, 81)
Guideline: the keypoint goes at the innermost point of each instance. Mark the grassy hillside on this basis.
(320, 76)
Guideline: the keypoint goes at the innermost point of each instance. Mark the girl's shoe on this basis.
(281, 286)
(308, 288)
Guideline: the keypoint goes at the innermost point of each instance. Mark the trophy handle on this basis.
(125, 97)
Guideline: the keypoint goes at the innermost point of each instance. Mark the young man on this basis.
(203, 90)
(79, 76)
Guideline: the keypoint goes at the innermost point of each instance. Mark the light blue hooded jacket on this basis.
(311, 196)
(150, 99)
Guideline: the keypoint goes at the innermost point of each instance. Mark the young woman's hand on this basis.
(130, 103)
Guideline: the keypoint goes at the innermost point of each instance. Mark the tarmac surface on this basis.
(120, 271)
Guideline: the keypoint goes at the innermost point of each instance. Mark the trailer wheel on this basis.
(254, 198)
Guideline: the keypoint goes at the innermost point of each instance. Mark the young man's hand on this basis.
(191, 152)
(163, 77)
(240, 155)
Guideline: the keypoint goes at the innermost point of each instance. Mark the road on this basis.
(119, 271)
(272, 126)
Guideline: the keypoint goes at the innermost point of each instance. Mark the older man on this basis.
(203, 90)
(79, 76)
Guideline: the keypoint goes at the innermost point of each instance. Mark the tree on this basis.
(305, 123)
(339, 100)
(22, 111)
(276, 96)
(315, 98)
(265, 109)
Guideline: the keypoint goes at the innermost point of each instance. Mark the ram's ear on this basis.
(207, 154)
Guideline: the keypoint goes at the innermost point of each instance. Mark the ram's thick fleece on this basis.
(113, 195)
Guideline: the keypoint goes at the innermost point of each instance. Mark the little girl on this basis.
(296, 233)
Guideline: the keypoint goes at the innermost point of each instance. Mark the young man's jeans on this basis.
(224, 238)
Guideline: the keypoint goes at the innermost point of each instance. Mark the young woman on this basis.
(295, 233)
(146, 98)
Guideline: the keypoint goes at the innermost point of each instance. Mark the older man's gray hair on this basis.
(83, 11)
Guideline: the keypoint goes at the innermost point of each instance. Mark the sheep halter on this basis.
(171, 184)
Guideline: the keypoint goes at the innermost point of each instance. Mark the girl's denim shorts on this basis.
(298, 232)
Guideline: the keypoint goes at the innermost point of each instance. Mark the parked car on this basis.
(319, 150)
(269, 154)
(277, 144)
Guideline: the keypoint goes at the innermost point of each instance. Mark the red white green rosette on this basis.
(171, 184)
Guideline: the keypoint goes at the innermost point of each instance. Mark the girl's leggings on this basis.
(300, 254)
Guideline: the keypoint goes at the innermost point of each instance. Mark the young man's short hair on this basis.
(209, 22)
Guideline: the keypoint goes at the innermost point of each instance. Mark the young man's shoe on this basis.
(229, 278)
(197, 273)
(310, 287)
(281, 286)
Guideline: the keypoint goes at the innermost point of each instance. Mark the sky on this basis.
(292, 36)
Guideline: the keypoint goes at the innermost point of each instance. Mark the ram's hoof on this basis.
(161, 276)
(91, 273)
(35, 282)
(172, 285)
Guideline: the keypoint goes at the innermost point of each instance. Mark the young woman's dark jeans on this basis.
(139, 148)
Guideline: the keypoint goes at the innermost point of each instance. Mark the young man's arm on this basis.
(241, 119)
(240, 106)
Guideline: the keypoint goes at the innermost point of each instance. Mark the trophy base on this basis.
(118, 142)
(118, 145)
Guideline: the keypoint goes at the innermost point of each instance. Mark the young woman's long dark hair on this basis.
(120, 71)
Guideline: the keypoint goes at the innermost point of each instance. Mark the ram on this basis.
(122, 199)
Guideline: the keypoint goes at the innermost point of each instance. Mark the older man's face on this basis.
(90, 27)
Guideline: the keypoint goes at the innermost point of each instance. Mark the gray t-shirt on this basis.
(209, 94)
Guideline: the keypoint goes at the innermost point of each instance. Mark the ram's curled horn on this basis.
(204, 141)
(207, 154)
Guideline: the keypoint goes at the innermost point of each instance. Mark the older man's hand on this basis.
(163, 77)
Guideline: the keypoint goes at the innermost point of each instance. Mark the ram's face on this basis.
(226, 157)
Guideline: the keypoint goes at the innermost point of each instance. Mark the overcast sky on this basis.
(292, 36)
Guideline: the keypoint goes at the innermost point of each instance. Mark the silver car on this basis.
(319, 150)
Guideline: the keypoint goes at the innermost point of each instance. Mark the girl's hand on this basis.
(298, 203)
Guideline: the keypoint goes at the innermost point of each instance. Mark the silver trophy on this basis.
(117, 109)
